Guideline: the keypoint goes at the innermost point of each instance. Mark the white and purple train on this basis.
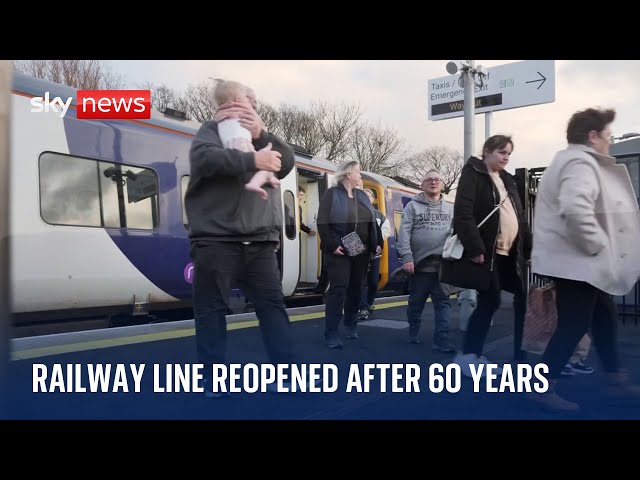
(98, 225)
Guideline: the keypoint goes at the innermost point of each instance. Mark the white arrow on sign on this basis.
(512, 85)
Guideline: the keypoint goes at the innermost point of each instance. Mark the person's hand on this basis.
(478, 258)
(338, 251)
(312, 233)
(378, 250)
(246, 115)
(267, 159)
(408, 267)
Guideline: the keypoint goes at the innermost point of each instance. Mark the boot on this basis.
(551, 401)
(620, 386)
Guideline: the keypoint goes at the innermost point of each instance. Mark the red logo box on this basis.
(114, 104)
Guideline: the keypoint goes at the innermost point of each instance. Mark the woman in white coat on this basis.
(585, 233)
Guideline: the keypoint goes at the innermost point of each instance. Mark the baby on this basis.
(233, 135)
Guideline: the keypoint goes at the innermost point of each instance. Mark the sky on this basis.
(393, 93)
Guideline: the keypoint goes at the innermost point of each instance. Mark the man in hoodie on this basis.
(425, 226)
(234, 234)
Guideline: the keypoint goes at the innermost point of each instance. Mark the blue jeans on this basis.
(370, 285)
(421, 286)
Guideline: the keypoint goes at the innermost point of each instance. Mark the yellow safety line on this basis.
(154, 337)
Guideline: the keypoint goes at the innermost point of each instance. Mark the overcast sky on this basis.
(394, 93)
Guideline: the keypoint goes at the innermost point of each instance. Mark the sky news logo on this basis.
(99, 104)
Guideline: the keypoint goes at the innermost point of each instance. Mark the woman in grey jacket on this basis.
(586, 229)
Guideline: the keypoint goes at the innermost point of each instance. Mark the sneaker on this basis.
(350, 333)
(464, 361)
(485, 360)
(363, 314)
(578, 367)
(333, 341)
(567, 371)
(551, 401)
(206, 385)
(444, 346)
(413, 334)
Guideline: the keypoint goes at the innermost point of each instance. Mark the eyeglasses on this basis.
(433, 180)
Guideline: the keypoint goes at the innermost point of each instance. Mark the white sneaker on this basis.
(485, 360)
(464, 362)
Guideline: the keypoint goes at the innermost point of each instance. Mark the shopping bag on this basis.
(541, 319)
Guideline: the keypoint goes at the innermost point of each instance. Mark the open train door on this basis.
(289, 253)
(323, 281)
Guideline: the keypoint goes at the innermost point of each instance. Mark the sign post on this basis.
(504, 87)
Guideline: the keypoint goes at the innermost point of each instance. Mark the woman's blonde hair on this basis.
(344, 168)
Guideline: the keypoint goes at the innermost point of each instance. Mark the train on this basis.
(97, 218)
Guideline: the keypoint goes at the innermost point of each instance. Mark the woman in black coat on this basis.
(494, 254)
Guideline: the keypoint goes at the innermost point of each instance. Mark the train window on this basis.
(184, 182)
(85, 192)
(397, 220)
(289, 215)
(69, 191)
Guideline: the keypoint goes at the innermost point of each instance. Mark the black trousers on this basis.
(504, 278)
(217, 266)
(345, 288)
(582, 307)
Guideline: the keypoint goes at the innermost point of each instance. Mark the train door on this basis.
(312, 185)
(324, 183)
(289, 239)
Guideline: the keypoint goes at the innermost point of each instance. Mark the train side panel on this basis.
(54, 266)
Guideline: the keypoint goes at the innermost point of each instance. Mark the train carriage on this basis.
(97, 219)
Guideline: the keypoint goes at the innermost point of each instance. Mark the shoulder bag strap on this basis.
(493, 211)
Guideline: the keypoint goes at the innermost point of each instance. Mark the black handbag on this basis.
(465, 274)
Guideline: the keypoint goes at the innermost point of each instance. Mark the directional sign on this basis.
(512, 85)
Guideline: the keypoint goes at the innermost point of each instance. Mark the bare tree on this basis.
(310, 134)
(377, 148)
(337, 124)
(270, 117)
(444, 159)
(300, 126)
(198, 102)
(162, 97)
(81, 74)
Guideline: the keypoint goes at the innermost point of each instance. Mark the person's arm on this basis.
(303, 227)
(579, 189)
(327, 236)
(404, 234)
(287, 158)
(380, 242)
(250, 120)
(464, 222)
(209, 158)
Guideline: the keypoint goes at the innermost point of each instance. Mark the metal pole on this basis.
(487, 124)
(5, 267)
(469, 110)
(467, 299)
